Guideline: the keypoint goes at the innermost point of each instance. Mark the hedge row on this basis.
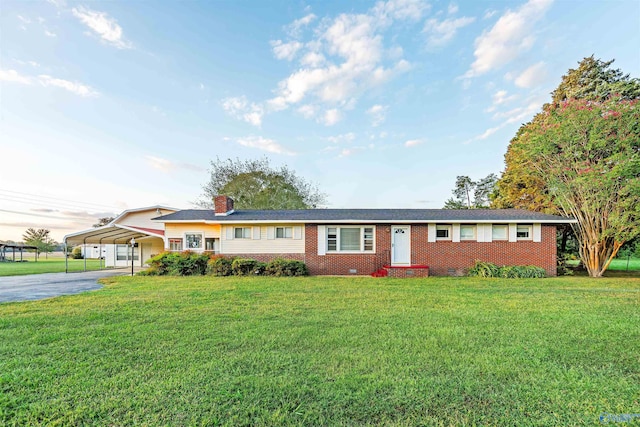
(487, 269)
(196, 264)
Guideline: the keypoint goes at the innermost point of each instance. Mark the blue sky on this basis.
(106, 106)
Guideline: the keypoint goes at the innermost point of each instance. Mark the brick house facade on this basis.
(361, 241)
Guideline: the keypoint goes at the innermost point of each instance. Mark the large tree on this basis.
(469, 194)
(587, 155)
(255, 184)
(103, 221)
(593, 80)
(39, 238)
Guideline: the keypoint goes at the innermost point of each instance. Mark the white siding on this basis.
(260, 243)
(537, 233)
(456, 233)
(513, 232)
(431, 228)
(322, 239)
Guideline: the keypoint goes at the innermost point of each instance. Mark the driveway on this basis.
(40, 286)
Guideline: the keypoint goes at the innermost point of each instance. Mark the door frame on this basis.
(393, 247)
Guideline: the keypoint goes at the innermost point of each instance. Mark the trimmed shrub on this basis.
(219, 266)
(487, 269)
(178, 264)
(286, 267)
(245, 267)
(77, 253)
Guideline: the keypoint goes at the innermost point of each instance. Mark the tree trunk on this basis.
(596, 257)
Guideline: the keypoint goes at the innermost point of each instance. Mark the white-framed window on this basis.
(193, 240)
(242, 232)
(500, 232)
(284, 232)
(175, 244)
(467, 232)
(443, 232)
(123, 252)
(350, 239)
(523, 232)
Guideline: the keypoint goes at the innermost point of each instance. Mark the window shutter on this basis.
(513, 232)
(322, 240)
(229, 232)
(479, 232)
(271, 233)
(456, 233)
(256, 233)
(431, 233)
(297, 232)
(537, 233)
(488, 232)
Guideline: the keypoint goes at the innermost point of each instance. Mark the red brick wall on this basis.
(443, 257)
(267, 257)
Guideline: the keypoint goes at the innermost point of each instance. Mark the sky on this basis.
(114, 105)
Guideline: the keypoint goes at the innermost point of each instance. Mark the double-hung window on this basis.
(467, 232)
(175, 244)
(443, 232)
(523, 232)
(350, 239)
(500, 232)
(284, 232)
(123, 252)
(242, 232)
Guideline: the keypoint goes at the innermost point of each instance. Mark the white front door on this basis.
(401, 245)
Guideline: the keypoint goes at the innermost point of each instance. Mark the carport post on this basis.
(84, 246)
(66, 257)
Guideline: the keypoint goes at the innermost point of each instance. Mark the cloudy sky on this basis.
(112, 105)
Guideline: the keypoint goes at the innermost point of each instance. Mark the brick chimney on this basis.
(223, 205)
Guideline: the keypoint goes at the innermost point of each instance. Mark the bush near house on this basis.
(194, 264)
(487, 269)
(77, 253)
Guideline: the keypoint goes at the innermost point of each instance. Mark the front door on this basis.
(401, 245)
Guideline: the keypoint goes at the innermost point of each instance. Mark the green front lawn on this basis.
(324, 351)
(53, 265)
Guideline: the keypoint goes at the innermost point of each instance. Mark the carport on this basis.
(116, 235)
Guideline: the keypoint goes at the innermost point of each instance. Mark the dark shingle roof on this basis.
(365, 215)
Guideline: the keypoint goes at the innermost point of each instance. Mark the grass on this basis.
(52, 265)
(324, 351)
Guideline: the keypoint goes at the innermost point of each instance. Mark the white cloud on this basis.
(14, 77)
(103, 25)
(532, 76)
(308, 111)
(49, 33)
(74, 87)
(285, 50)
(378, 114)
(160, 164)
(265, 144)
(400, 10)
(453, 8)
(441, 32)
(343, 138)
(511, 36)
(499, 98)
(413, 142)
(313, 59)
(294, 29)
(24, 20)
(489, 13)
(331, 117)
(242, 109)
(57, 3)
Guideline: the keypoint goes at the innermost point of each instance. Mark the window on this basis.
(284, 232)
(500, 232)
(467, 232)
(123, 252)
(209, 244)
(242, 232)
(350, 239)
(443, 232)
(523, 232)
(175, 244)
(194, 240)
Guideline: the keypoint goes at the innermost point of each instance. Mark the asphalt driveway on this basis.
(40, 286)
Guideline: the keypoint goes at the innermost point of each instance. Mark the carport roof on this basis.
(111, 234)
